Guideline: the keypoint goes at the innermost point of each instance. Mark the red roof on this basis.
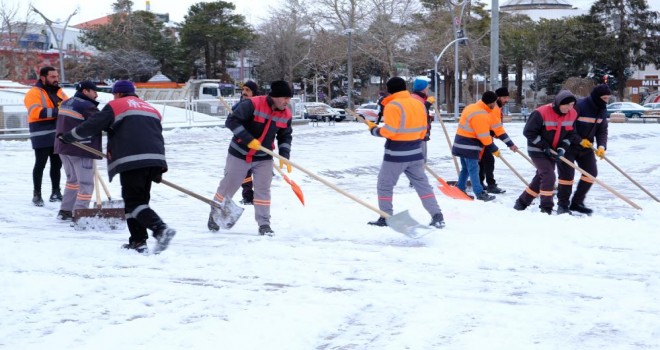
(95, 22)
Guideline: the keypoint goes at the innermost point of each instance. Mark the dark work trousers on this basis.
(248, 192)
(585, 159)
(542, 185)
(487, 169)
(135, 190)
(41, 156)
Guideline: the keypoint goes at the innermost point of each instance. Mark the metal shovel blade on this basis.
(404, 223)
(226, 214)
(99, 218)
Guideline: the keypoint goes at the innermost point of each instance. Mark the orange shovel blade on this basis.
(296, 189)
(452, 191)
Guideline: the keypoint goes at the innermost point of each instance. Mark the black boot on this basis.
(380, 222)
(580, 208)
(211, 224)
(493, 189)
(163, 236)
(37, 200)
(65, 215)
(437, 221)
(562, 209)
(546, 211)
(519, 205)
(265, 230)
(483, 196)
(56, 196)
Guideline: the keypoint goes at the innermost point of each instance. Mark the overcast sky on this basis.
(253, 10)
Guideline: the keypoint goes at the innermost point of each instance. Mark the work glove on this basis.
(497, 153)
(254, 144)
(66, 138)
(600, 152)
(157, 176)
(430, 99)
(371, 124)
(514, 148)
(559, 153)
(586, 143)
(284, 163)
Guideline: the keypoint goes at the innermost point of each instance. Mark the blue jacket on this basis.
(591, 121)
(72, 113)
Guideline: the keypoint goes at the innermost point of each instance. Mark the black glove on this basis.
(157, 175)
(67, 138)
(560, 153)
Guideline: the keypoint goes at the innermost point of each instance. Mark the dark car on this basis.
(629, 109)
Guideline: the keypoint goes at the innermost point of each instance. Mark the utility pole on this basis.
(59, 39)
(494, 45)
(458, 34)
(350, 67)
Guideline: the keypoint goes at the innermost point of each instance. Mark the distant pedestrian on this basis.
(78, 164)
(257, 121)
(405, 120)
(42, 102)
(136, 151)
(549, 129)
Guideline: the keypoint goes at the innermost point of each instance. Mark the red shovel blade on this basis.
(296, 189)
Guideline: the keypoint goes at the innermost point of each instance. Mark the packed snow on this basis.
(493, 278)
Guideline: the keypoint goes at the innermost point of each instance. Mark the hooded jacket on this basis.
(547, 127)
(72, 113)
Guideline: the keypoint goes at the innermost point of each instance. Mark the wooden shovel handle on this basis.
(325, 182)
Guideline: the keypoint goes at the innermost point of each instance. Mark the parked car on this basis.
(368, 111)
(341, 115)
(655, 105)
(629, 109)
(317, 111)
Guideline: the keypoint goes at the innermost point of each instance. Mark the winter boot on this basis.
(380, 222)
(140, 247)
(211, 224)
(483, 196)
(580, 208)
(265, 230)
(37, 200)
(471, 196)
(65, 215)
(163, 236)
(56, 196)
(493, 189)
(546, 211)
(562, 209)
(437, 221)
(519, 205)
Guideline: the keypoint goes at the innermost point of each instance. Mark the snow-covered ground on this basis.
(494, 278)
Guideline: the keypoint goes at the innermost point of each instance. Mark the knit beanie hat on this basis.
(123, 86)
(280, 88)
(252, 86)
(564, 97)
(502, 92)
(395, 84)
(601, 90)
(420, 84)
(488, 97)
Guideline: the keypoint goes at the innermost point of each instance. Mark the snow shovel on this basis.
(224, 214)
(444, 187)
(110, 203)
(98, 217)
(628, 177)
(512, 169)
(294, 186)
(585, 173)
(401, 222)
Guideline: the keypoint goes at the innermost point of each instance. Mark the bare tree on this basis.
(13, 28)
(327, 57)
(284, 43)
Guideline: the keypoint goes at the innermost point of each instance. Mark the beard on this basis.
(52, 87)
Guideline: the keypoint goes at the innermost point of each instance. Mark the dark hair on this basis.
(43, 72)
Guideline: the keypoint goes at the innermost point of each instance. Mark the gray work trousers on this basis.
(262, 177)
(79, 182)
(388, 177)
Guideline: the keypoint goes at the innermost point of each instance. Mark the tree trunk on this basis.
(519, 82)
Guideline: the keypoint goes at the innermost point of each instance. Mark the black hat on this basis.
(601, 90)
(252, 86)
(502, 92)
(564, 97)
(280, 88)
(488, 97)
(395, 84)
(86, 85)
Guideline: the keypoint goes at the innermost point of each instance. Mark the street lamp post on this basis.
(437, 110)
(494, 44)
(59, 39)
(350, 67)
